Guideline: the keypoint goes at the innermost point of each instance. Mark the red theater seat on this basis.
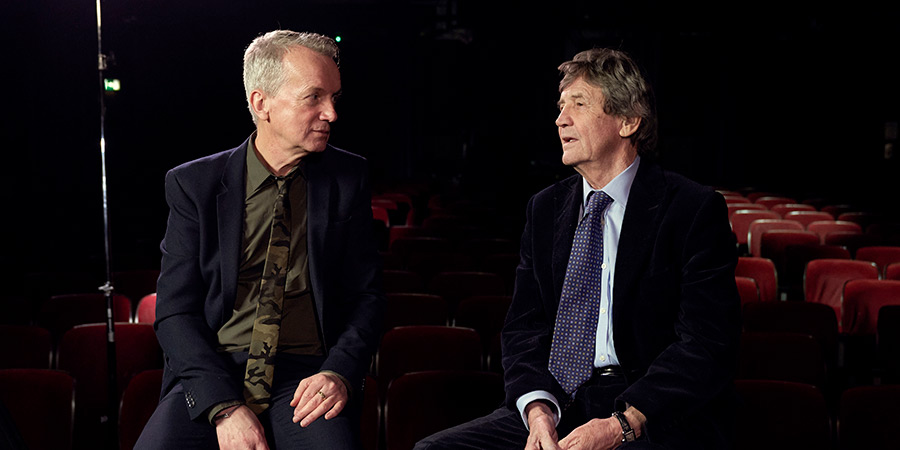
(888, 343)
(852, 240)
(423, 403)
(862, 301)
(735, 207)
(747, 289)
(486, 314)
(82, 352)
(797, 257)
(754, 195)
(825, 279)
(146, 310)
(762, 270)
(370, 418)
(758, 227)
(771, 200)
(135, 284)
(139, 400)
(380, 214)
(814, 319)
(405, 309)
(800, 419)
(783, 209)
(807, 217)
(880, 255)
(62, 312)
(864, 219)
(417, 348)
(784, 356)
(892, 271)
(823, 227)
(773, 243)
(868, 418)
(41, 403)
(457, 286)
(741, 220)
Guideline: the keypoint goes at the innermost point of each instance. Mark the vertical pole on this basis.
(111, 418)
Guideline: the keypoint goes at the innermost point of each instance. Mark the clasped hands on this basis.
(323, 394)
(596, 434)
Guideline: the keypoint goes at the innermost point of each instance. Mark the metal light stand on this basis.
(113, 392)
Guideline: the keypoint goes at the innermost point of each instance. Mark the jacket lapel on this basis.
(230, 209)
(642, 219)
(567, 206)
(318, 195)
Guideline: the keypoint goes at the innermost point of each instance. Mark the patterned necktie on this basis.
(574, 338)
(264, 340)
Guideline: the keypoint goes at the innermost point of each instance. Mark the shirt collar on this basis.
(619, 188)
(257, 174)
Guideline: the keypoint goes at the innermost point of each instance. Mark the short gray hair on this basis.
(626, 92)
(263, 58)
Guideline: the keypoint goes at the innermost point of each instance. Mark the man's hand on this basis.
(241, 430)
(601, 434)
(597, 434)
(542, 427)
(321, 394)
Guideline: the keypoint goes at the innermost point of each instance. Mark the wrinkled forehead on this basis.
(580, 89)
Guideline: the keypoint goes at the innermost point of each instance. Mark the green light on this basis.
(337, 38)
(111, 84)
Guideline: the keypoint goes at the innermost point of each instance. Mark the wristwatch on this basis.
(627, 431)
(225, 413)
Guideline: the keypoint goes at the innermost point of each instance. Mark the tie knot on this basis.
(282, 183)
(597, 201)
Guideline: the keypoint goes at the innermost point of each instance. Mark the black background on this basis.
(790, 97)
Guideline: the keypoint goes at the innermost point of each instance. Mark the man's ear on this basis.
(629, 126)
(259, 104)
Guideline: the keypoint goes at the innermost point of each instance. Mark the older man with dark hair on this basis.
(624, 324)
(269, 302)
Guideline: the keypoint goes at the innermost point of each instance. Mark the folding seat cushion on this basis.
(862, 301)
(824, 280)
(762, 270)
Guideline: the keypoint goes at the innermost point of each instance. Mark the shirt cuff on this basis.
(532, 396)
(219, 407)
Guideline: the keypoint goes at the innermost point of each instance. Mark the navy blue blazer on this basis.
(201, 252)
(676, 310)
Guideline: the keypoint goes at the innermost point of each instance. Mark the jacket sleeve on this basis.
(699, 287)
(355, 301)
(528, 330)
(183, 290)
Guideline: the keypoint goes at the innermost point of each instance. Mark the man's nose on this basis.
(563, 120)
(328, 113)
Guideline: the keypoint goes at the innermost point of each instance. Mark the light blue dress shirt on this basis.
(605, 352)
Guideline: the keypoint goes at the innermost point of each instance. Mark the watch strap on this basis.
(627, 432)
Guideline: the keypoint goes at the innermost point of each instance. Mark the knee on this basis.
(426, 444)
(439, 441)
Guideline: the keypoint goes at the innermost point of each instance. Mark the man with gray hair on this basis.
(624, 323)
(269, 302)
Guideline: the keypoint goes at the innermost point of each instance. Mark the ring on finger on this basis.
(322, 394)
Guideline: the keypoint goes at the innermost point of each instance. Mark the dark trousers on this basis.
(504, 429)
(170, 427)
